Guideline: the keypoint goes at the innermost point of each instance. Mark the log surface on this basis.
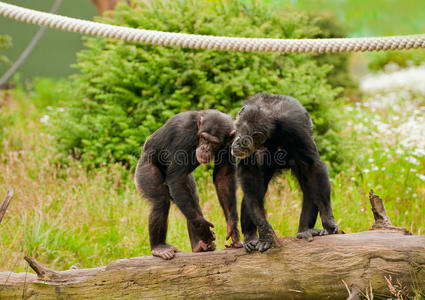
(297, 270)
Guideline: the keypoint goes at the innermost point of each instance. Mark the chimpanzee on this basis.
(164, 173)
(274, 132)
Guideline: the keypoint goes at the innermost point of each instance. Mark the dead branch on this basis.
(5, 204)
(382, 221)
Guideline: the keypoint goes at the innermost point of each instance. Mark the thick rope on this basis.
(194, 41)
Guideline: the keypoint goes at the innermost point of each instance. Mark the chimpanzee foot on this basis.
(267, 238)
(234, 245)
(263, 245)
(250, 245)
(265, 242)
(233, 232)
(164, 251)
(309, 233)
(204, 247)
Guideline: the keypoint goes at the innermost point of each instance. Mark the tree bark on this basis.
(298, 269)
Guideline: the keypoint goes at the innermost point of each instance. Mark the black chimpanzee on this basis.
(275, 132)
(164, 173)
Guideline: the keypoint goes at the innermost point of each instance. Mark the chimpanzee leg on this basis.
(183, 192)
(321, 189)
(249, 229)
(150, 183)
(254, 183)
(225, 185)
(196, 243)
(314, 182)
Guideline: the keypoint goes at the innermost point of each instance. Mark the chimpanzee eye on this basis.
(246, 141)
(258, 137)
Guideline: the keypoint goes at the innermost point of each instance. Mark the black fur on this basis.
(164, 173)
(274, 132)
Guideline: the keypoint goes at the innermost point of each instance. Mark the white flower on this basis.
(61, 109)
(370, 160)
(366, 171)
(413, 160)
(419, 152)
(45, 119)
(421, 177)
(412, 79)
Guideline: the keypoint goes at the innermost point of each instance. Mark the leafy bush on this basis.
(128, 90)
(48, 92)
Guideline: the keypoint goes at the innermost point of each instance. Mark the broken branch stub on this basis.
(382, 221)
(5, 204)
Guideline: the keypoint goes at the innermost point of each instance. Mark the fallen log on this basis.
(298, 269)
(326, 267)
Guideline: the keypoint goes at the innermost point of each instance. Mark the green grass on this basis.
(68, 215)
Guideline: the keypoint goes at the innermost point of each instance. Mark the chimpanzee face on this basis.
(249, 135)
(245, 144)
(207, 147)
(215, 132)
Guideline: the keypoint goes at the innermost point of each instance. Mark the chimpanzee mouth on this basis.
(203, 160)
(240, 154)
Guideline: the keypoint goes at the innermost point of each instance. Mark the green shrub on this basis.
(128, 90)
(48, 92)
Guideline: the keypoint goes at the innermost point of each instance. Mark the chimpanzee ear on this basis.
(231, 137)
(258, 137)
(200, 121)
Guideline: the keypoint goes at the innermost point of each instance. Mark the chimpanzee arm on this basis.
(183, 191)
(254, 181)
(225, 184)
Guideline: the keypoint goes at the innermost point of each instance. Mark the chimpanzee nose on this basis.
(235, 143)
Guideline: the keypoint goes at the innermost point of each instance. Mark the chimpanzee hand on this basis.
(203, 247)
(330, 227)
(309, 233)
(233, 232)
(205, 234)
(203, 230)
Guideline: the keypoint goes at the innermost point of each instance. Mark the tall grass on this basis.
(68, 215)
